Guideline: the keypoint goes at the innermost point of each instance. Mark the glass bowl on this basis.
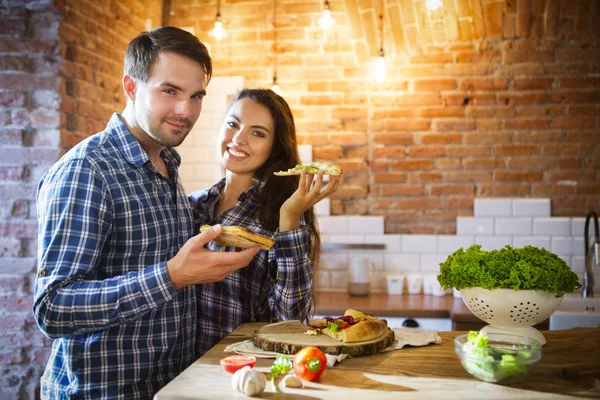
(497, 357)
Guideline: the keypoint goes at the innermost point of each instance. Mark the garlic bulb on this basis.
(248, 381)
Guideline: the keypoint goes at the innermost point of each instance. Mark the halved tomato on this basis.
(235, 362)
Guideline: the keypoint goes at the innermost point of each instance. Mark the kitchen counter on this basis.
(568, 369)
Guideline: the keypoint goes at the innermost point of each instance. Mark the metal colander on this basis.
(511, 311)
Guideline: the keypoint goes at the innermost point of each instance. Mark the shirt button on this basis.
(43, 272)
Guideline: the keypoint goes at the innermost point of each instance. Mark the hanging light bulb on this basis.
(218, 31)
(433, 4)
(379, 69)
(276, 87)
(326, 21)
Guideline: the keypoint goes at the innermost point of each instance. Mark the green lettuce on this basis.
(494, 364)
(527, 268)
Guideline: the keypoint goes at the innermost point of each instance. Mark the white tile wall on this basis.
(552, 226)
(493, 207)
(531, 207)
(365, 225)
(474, 226)
(497, 223)
(513, 226)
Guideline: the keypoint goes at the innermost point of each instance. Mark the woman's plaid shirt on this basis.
(275, 286)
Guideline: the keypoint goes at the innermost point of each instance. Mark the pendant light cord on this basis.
(275, 40)
(381, 52)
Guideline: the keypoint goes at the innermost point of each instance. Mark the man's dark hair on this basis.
(142, 51)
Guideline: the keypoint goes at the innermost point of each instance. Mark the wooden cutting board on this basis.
(288, 337)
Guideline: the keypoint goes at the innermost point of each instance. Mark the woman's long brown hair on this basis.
(284, 155)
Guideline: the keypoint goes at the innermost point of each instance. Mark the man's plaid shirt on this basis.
(108, 222)
(275, 286)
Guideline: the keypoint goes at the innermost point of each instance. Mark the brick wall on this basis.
(486, 98)
(60, 71)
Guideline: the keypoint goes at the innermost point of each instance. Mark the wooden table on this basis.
(570, 368)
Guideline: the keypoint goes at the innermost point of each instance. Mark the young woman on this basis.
(257, 138)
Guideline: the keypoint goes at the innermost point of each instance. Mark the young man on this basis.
(117, 257)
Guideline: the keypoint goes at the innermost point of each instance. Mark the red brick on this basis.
(479, 57)
(465, 99)
(12, 173)
(537, 137)
(446, 163)
(350, 192)
(574, 97)
(561, 149)
(13, 284)
(416, 204)
(584, 109)
(12, 99)
(528, 83)
(484, 84)
(488, 124)
(515, 150)
(587, 188)
(349, 112)
(353, 166)
(569, 163)
(448, 190)
(379, 165)
(462, 203)
(395, 112)
(487, 137)
(390, 177)
(522, 98)
(426, 151)
(439, 58)
(504, 189)
(573, 175)
(403, 190)
(467, 151)
(412, 164)
(394, 138)
(489, 112)
(26, 81)
(535, 163)
(527, 123)
(514, 57)
(429, 177)
(327, 152)
(356, 152)
(389, 152)
(439, 216)
(434, 84)
(545, 189)
(579, 82)
(348, 138)
(541, 111)
(455, 125)
(442, 112)
(581, 137)
(441, 138)
(407, 125)
(418, 99)
(467, 176)
(581, 55)
(574, 123)
(518, 176)
(483, 163)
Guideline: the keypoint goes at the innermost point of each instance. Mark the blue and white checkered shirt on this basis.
(275, 286)
(108, 222)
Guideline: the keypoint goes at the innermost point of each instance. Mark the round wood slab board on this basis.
(288, 337)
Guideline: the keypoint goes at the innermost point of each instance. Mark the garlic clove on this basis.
(291, 381)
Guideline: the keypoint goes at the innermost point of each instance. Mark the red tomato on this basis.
(310, 363)
(233, 363)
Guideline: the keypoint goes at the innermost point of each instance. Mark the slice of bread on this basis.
(237, 236)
